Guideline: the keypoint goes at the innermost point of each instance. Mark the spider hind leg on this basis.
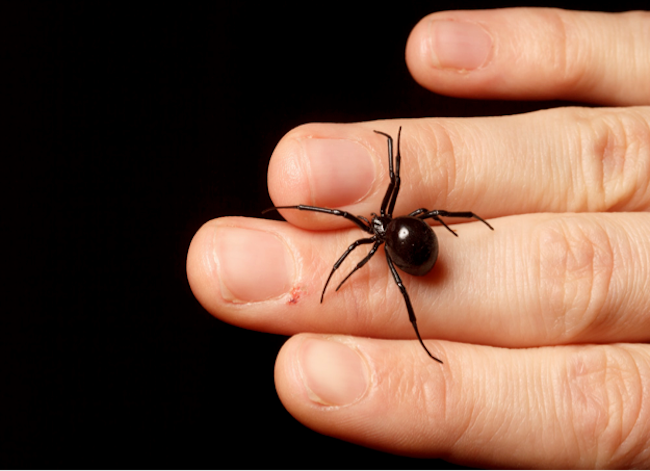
(409, 307)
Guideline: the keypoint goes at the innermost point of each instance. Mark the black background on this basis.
(124, 129)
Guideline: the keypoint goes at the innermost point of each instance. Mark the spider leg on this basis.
(417, 212)
(424, 210)
(388, 203)
(398, 159)
(409, 308)
(354, 245)
(362, 262)
(436, 213)
(454, 214)
(335, 212)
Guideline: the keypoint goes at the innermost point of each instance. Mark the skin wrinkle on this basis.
(589, 399)
(604, 272)
(557, 172)
(547, 406)
(550, 312)
(593, 163)
(417, 160)
(576, 269)
(610, 149)
(463, 398)
(644, 162)
(641, 419)
(472, 167)
(560, 58)
(638, 425)
(637, 35)
(553, 171)
(523, 257)
(492, 389)
(429, 189)
(617, 416)
(639, 46)
(643, 261)
(630, 153)
(600, 409)
(445, 161)
(624, 372)
(577, 195)
(590, 251)
(465, 175)
(577, 76)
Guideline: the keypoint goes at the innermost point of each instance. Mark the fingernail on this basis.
(252, 265)
(341, 171)
(458, 45)
(334, 374)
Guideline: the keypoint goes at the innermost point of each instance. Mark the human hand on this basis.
(540, 324)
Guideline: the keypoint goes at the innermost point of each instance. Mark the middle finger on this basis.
(538, 279)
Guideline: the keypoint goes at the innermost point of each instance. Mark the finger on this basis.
(562, 407)
(558, 160)
(534, 53)
(536, 280)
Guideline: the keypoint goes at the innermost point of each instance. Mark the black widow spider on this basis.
(411, 244)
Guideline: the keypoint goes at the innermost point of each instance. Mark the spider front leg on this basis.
(359, 221)
(354, 245)
(436, 213)
(409, 307)
(362, 262)
(388, 204)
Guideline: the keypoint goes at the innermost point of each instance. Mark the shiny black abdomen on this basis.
(412, 245)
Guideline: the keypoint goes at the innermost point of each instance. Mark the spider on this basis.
(411, 244)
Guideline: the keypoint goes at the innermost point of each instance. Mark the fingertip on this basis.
(200, 266)
(321, 371)
(451, 52)
(287, 177)
(326, 165)
(361, 390)
(235, 263)
(453, 44)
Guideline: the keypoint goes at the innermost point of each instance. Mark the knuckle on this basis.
(601, 395)
(563, 63)
(615, 159)
(576, 263)
(567, 54)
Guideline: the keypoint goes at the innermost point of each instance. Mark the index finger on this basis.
(565, 159)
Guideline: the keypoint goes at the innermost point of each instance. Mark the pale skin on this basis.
(542, 325)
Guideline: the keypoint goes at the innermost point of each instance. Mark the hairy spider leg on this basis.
(335, 212)
(436, 213)
(362, 262)
(409, 307)
(390, 197)
(354, 245)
